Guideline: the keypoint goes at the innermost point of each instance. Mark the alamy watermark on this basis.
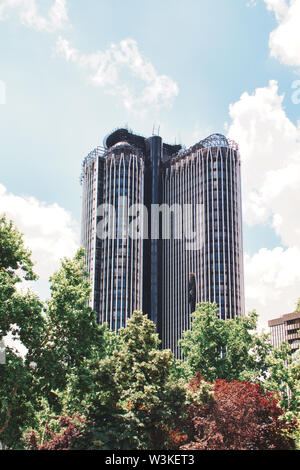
(296, 93)
(2, 352)
(175, 222)
(2, 92)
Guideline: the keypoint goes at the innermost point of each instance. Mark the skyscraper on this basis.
(176, 194)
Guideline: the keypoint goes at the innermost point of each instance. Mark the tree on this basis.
(59, 433)
(221, 349)
(72, 341)
(58, 339)
(20, 317)
(283, 377)
(293, 397)
(80, 385)
(294, 371)
(136, 405)
(71, 334)
(298, 305)
(13, 255)
(239, 416)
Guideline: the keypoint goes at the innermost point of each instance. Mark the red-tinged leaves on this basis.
(241, 417)
(177, 438)
(65, 439)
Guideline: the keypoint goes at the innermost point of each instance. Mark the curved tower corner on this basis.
(112, 181)
(206, 176)
(121, 285)
(92, 197)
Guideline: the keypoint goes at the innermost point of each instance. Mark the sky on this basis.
(71, 71)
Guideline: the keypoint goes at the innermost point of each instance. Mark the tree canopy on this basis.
(229, 349)
(81, 386)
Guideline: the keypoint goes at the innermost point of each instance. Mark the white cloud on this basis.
(270, 151)
(279, 7)
(29, 15)
(49, 231)
(272, 279)
(285, 39)
(109, 69)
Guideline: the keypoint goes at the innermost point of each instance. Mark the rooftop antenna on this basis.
(158, 130)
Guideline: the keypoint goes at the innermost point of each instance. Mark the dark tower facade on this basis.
(207, 177)
(194, 191)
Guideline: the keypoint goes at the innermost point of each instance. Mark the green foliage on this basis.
(292, 399)
(59, 338)
(84, 382)
(136, 404)
(20, 313)
(221, 349)
(18, 399)
(280, 378)
(71, 333)
(20, 317)
(294, 384)
(298, 305)
(94, 389)
(232, 350)
(13, 255)
(72, 342)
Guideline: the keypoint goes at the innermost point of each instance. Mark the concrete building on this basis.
(286, 328)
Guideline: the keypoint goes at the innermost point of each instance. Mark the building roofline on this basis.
(123, 134)
(213, 140)
(284, 318)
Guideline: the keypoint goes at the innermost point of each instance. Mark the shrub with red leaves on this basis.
(241, 416)
(177, 438)
(71, 431)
